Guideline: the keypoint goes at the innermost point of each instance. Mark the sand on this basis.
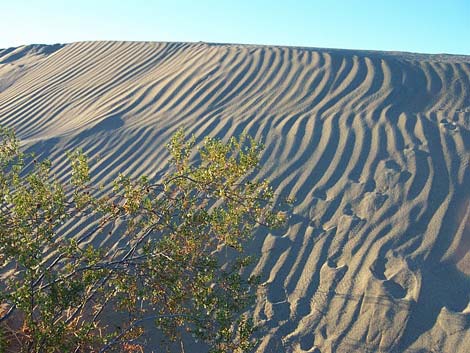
(374, 146)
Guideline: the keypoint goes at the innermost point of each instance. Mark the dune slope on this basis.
(374, 146)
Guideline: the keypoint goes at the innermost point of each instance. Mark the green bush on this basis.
(174, 266)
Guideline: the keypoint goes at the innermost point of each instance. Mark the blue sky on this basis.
(426, 26)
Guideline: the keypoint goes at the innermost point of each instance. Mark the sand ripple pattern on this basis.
(375, 147)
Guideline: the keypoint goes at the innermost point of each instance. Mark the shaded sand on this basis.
(374, 146)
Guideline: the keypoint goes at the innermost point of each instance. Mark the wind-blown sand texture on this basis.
(374, 146)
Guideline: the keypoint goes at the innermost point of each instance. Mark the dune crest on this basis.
(374, 146)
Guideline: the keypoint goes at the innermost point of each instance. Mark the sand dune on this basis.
(374, 146)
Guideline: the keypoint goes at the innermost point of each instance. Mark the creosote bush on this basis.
(171, 267)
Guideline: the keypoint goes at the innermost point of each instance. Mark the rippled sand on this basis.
(375, 147)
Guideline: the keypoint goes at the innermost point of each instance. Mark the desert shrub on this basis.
(178, 263)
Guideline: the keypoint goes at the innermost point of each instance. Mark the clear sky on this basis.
(425, 26)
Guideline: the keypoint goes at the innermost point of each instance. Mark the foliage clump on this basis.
(174, 265)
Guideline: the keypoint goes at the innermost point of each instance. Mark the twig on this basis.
(137, 323)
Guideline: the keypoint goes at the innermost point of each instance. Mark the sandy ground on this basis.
(374, 146)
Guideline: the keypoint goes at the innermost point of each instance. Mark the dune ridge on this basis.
(374, 146)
